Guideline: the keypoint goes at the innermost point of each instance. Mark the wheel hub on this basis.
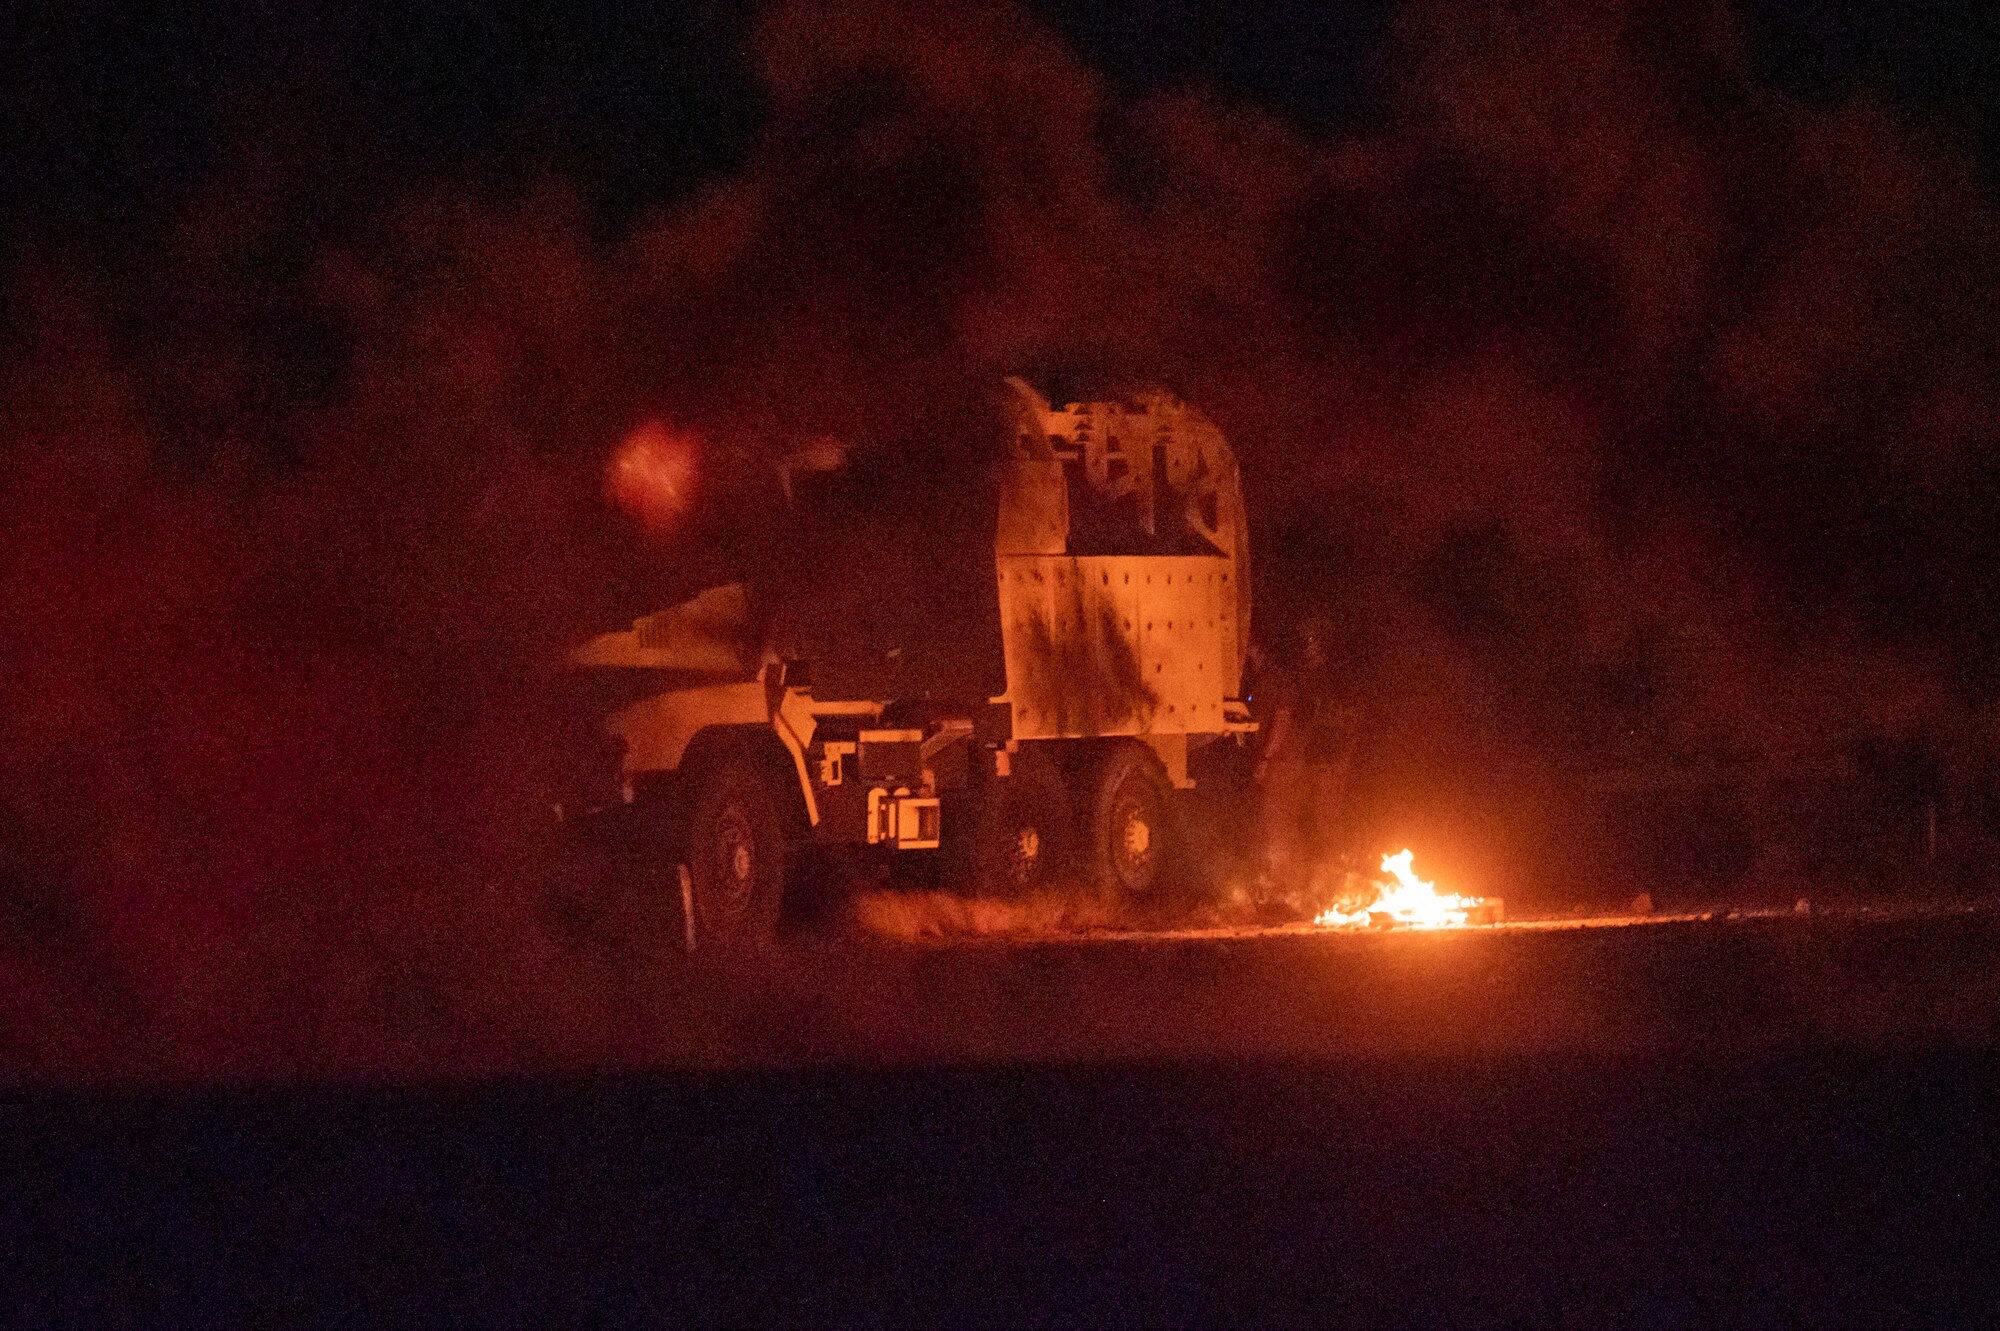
(1027, 854)
(1138, 836)
(1132, 842)
(737, 859)
(1028, 845)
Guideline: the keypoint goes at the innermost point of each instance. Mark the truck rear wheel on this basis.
(735, 851)
(1128, 829)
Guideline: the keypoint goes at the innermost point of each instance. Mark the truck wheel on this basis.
(1024, 830)
(1128, 832)
(736, 849)
(1009, 835)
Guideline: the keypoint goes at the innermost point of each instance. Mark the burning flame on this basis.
(651, 476)
(1408, 901)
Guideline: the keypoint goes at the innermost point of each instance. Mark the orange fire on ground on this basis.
(1408, 901)
(651, 476)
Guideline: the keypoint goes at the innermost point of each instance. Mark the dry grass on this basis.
(921, 916)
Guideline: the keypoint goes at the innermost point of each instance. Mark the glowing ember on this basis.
(651, 476)
(1408, 901)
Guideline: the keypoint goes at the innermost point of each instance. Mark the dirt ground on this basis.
(1873, 980)
(1760, 1121)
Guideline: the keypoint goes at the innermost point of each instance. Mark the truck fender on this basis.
(792, 719)
(760, 744)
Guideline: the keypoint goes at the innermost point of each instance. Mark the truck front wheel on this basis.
(736, 849)
(1128, 828)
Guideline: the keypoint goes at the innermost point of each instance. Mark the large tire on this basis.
(1019, 829)
(1128, 832)
(736, 848)
(1029, 826)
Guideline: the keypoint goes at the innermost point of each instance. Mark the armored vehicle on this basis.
(1013, 663)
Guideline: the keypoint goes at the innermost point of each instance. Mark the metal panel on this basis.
(1117, 644)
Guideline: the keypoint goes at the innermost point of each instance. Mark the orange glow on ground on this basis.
(652, 474)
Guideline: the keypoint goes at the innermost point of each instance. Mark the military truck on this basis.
(1010, 652)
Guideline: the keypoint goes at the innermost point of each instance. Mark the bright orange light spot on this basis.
(1408, 900)
(652, 474)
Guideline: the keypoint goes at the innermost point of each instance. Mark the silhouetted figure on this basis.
(1305, 762)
